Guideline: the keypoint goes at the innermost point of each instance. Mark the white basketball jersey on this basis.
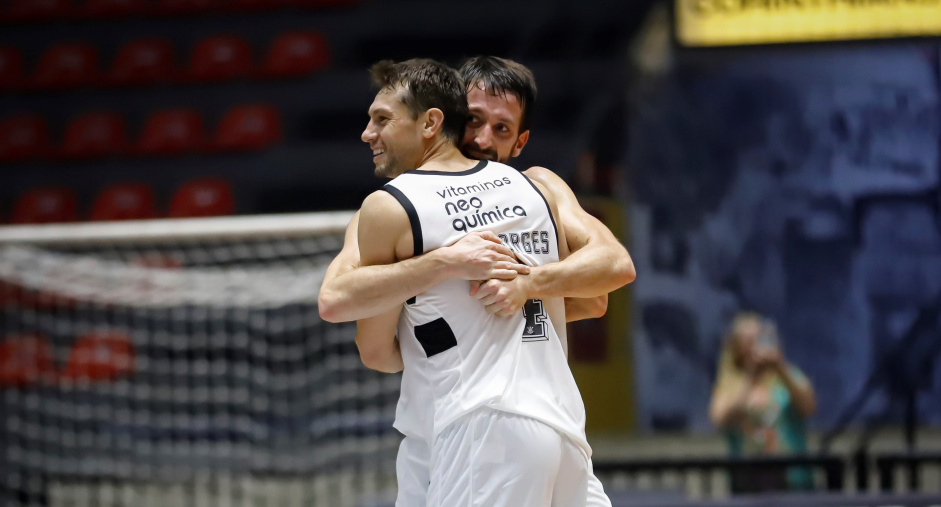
(457, 356)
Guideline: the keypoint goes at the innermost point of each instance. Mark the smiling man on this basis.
(501, 96)
(501, 99)
(492, 395)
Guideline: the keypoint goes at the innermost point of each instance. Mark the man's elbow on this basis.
(370, 361)
(598, 306)
(376, 356)
(378, 361)
(330, 308)
(624, 271)
(326, 308)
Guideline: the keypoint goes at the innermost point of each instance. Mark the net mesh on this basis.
(185, 370)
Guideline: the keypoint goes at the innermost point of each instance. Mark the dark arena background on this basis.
(176, 175)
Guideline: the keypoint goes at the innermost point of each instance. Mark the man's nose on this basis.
(484, 138)
(368, 134)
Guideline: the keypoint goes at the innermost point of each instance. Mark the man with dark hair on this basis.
(502, 94)
(478, 386)
(506, 91)
(426, 84)
(501, 97)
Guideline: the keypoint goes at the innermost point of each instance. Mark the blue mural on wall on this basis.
(803, 185)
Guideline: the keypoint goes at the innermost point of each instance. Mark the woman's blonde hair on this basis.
(730, 375)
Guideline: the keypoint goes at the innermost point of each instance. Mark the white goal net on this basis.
(184, 363)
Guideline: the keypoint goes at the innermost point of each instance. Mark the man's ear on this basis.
(520, 142)
(432, 122)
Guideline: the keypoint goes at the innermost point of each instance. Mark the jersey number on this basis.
(535, 315)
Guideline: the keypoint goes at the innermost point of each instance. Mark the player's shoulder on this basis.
(382, 216)
(544, 176)
(380, 204)
(553, 183)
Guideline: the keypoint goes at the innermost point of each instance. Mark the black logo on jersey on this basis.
(475, 215)
(531, 242)
(471, 189)
(535, 315)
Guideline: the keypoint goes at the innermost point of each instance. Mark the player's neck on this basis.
(444, 156)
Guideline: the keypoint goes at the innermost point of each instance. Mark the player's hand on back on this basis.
(481, 256)
(503, 298)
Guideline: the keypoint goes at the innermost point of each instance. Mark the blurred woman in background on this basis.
(761, 402)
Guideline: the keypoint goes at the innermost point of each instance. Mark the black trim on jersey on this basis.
(411, 300)
(435, 337)
(477, 168)
(418, 245)
(551, 216)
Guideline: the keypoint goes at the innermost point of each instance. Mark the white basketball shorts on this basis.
(491, 458)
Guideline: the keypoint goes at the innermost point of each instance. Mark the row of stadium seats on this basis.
(166, 132)
(97, 356)
(50, 10)
(149, 61)
(125, 201)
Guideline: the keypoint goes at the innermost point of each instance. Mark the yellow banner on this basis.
(742, 22)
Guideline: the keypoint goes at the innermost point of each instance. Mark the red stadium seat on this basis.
(296, 54)
(172, 132)
(25, 359)
(143, 61)
(219, 58)
(38, 10)
(102, 356)
(124, 201)
(248, 127)
(45, 205)
(67, 65)
(23, 137)
(11, 68)
(203, 198)
(94, 135)
(175, 7)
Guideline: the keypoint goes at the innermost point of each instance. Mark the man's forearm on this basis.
(585, 308)
(354, 293)
(368, 291)
(378, 347)
(587, 273)
(598, 264)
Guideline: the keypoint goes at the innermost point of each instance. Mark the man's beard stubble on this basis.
(478, 154)
(388, 170)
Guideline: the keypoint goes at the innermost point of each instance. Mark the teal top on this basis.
(773, 426)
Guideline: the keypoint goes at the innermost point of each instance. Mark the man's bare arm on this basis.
(373, 336)
(597, 265)
(352, 292)
(345, 261)
(384, 236)
(585, 308)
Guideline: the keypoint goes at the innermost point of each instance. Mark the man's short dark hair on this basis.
(496, 75)
(428, 84)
